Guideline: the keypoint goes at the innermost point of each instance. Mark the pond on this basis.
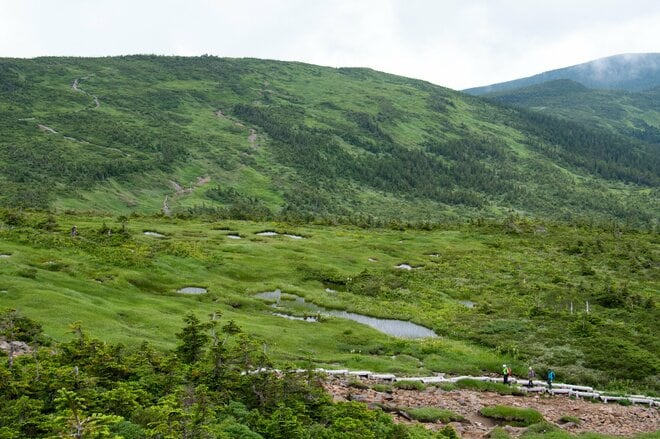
(5, 256)
(233, 236)
(192, 290)
(467, 303)
(393, 327)
(155, 234)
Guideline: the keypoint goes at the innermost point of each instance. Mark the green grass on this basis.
(512, 415)
(433, 414)
(123, 289)
(484, 386)
(409, 385)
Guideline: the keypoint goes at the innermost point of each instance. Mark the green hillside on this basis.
(255, 139)
(630, 114)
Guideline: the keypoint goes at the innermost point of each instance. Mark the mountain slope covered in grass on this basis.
(247, 138)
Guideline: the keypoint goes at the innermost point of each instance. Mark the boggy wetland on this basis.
(513, 291)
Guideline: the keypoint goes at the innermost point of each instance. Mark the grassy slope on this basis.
(522, 279)
(625, 112)
(157, 123)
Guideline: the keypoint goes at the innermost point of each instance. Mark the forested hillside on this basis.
(247, 138)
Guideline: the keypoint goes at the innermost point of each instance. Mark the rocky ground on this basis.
(598, 417)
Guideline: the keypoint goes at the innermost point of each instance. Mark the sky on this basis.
(454, 43)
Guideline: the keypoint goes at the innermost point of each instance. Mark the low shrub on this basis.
(542, 427)
(382, 388)
(357, 384)
(486, 386)
(409, 385)
(568, 418)
(499, 433)
(512, 415)
(433, 414)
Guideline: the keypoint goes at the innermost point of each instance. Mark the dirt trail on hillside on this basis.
(180, 191)
(76, 86)
(603, 418)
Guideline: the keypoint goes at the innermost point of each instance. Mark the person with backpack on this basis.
(506, 373)
(551, 378)
(530, 376)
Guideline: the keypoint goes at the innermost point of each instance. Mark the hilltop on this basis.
(629, 72)
(258, 139)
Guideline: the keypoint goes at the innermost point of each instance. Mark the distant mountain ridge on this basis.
(631, 72)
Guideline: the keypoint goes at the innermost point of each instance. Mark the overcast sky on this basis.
(455, 43)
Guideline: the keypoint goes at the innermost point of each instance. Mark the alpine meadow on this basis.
(187, 242)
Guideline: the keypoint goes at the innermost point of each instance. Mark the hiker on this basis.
(530, 376)
(74, 231)
(551, 378)
(506, 373)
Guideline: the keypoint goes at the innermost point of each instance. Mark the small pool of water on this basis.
(467, 303)
(404, 267)
(233, 237)
(267, 233)
(290, 317)
(5, 256)
(393, 327)
(154, 234)
(294, 236)
(192, 290)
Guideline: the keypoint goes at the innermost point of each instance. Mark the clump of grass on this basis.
(540, 428)
(624, 402)
(512, 415)
(499, 433)
(28, 273)
(433, 414)
(357, 384)
(445, 386)
(568, 418)
(382, 388)
(485, 386)
(409, 385)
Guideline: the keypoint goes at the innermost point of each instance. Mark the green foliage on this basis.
(569, 418)
(512, 415)
(283, 140)
(499, 433)
(485, 386)
(409, 385)
(433, 414)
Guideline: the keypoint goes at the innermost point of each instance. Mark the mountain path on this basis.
(76, 86)
(180, 190)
